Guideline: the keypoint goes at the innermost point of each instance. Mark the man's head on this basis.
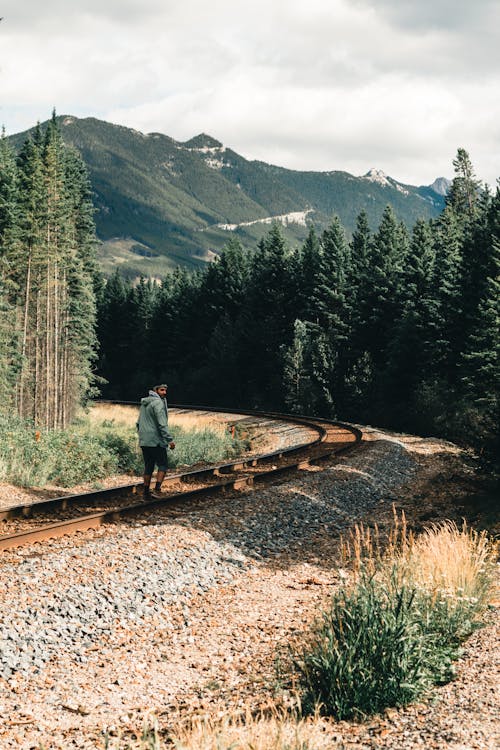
(161, 390)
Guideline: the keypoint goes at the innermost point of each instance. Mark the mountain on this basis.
(162, 203)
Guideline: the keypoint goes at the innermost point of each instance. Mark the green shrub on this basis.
(60, 457)
(77, 457)
(367, 652)
(201, 446)
(396, 629)
(121, 443)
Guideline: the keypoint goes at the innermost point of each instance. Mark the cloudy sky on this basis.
(397, 85)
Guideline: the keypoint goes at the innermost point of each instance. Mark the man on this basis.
(152, 426)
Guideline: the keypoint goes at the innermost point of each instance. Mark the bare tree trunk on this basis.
(24, 337)
(57, 368)
(38, 385)
(47, 347)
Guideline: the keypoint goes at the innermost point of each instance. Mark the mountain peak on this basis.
(202, 142)
(376, 175)
(441, 185)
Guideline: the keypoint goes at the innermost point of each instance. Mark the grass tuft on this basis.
(395, 627)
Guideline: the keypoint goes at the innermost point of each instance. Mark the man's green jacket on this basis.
(152, 424)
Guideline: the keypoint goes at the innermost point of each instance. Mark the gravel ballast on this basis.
(184, 612)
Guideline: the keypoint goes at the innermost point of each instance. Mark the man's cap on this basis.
(162, 385)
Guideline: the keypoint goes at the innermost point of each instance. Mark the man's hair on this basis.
(157, 387)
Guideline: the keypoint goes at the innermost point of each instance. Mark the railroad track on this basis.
(57, 517)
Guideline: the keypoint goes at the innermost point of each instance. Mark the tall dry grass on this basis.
(272, 730)
(455, 562)
(275, 730)
(127, 415)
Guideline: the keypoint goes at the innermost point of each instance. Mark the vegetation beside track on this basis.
(391, 632)
(92, 449)
(395, 627)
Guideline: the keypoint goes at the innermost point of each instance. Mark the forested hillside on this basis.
(386, 326)
(48, 275)
(392, 328)
(161, 203)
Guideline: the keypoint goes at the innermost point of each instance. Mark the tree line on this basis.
(48, 280)
(394, 327)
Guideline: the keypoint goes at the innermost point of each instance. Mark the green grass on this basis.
(373, 648)
(90, 451)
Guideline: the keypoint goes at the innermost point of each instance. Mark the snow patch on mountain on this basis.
(294, 217)
(213, 156)
(216, 162)
(376, 175)
(207, 149)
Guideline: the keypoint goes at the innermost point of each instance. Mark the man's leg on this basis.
(148, 471)
(160, 476)
(161, 462)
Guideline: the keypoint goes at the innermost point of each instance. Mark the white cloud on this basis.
(327, 84)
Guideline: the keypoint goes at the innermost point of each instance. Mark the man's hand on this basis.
(172, 445)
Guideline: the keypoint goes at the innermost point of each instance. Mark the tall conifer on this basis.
(8, 238)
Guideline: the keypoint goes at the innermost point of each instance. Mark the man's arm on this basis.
(162, 422)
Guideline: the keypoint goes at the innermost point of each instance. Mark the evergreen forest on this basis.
(392, 327)
(48, 281)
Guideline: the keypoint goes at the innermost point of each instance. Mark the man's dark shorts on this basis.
(154, 455)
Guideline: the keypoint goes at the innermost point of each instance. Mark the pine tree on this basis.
(56, 372)
(8, 238)
(411, 347)
(141, 304)
(479, 364)
(307, 371)
(116, 347)
(219, 305)
(330, 300)
(48, 277)
(333, 305)
(29, 273)
(174, 342)
(379, 307)
(295, 370)
(465, 187)
(360, 252)
(266, 323)
(306, 274)
(448, 319)
(224, 284)
(80, 279)
(359, 284)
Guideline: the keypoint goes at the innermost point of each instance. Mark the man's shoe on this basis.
(156, 495)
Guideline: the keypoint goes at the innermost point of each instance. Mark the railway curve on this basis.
(56, 517)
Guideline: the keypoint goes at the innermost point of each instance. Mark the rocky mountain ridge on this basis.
(161, 203)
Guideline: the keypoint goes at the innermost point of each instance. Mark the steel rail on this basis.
(318, 448)
(64, 501)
